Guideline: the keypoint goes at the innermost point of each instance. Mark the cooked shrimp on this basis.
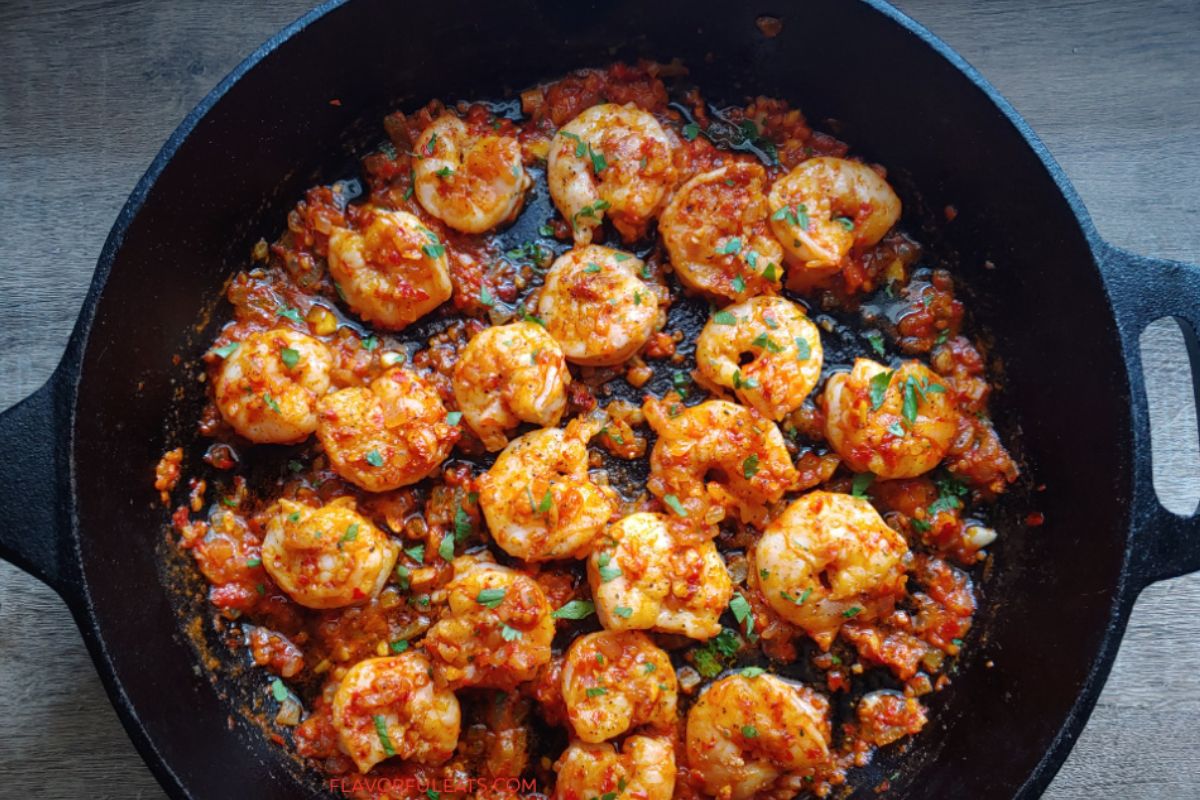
(829, 558)
(744, 733)
(390, 435)
(539, 502)
(645, 769)
(507, 375)
(717, 234)
(613, 682)
(896, 423)
(784, 350)
(613, 161)
(714, 458)
(472, 180)
(595, 305)
(496, 630)
(654, 572)
(326, 557)
(388, 707)
(268, 387)
(391, 273)
(825, 206)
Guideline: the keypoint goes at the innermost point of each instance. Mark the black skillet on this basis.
(1064, 308)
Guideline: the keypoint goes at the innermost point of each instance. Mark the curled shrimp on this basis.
(896, 423)
(644, 769)
(825, 206)
(393, 271)
(387, 707)
(326, 557)
(389, 435)
(470, 179)
(596, 307)
(538, 499)
(496, 630)
(783, 348)
(507, 375)
(267, 388)
(718, 236)
(714, 458)
(829, 558)
(613, 682)
(650, 571)
(746, 733)
(611, 161)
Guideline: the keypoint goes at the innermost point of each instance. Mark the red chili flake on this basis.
(335, 102)
(1035, 518)
(951, 212)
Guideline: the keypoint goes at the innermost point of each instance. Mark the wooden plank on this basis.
(89, 90)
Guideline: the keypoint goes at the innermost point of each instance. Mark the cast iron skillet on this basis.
(1065, 310)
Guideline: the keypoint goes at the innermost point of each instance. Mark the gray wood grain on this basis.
(89, 90)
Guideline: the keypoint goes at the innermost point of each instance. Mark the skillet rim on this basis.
(65, 380)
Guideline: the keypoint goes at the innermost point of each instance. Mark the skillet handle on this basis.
(34, 487)
(1164, 544)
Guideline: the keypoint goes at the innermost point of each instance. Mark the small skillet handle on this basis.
(1164, 544)
(35, 486)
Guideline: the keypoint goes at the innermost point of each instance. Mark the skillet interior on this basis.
(1044, 611)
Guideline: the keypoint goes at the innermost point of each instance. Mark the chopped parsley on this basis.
(596, 691)
(575, 609)
(875, 338)
(490, 598)
(624, 612)
(673, 503)
(591, 211)
(382, 732)
(803, 349)
(765, 342)
(287, 312)
(508, 633)
(691, 131)
(446, 548)
(878, 388)
(607, 570)
(730, 247)
(740, 607)
(858, 487)
(525, 315)
(750, 466)
(462, 524)
(278, 690)
(374, 459)
(453, 418)
(227, 350)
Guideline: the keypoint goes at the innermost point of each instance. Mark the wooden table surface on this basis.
(90, 90)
